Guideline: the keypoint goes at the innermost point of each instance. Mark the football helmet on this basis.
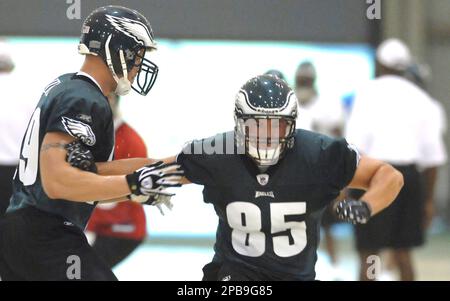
(265, 114)
(121, 37)
(276, 73)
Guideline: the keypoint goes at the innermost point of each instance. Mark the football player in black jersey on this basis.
(269, 185)
(41, 236)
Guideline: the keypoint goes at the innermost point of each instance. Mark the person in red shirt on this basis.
(119, 228)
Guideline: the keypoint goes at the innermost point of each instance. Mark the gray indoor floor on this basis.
(182, 259)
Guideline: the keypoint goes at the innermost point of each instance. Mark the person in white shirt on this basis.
(420, 75)
(324, 116)
(392, 120)
(318, 114)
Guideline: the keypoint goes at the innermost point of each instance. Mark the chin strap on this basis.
(123, 84)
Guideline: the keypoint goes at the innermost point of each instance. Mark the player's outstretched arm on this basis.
(126, 166)
(61, 180)
(381, 181)
(173, 159)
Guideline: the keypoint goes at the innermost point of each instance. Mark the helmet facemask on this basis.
(146, 76)
(265, 137)
(121, 62)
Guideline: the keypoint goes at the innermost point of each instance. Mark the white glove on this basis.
(154, 178)
(157, 199)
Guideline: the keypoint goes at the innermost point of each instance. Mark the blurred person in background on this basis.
(325, 117)
(115, 230)
(14, 117)
(391, 120)
(420, 74)
(318, 114)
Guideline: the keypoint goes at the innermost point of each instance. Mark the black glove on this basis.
(353, 211)
(154, 178)
(80, 157)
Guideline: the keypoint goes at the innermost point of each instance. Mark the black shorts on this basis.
(232, 271)
(229, 271)
(6, 175)
(113, 250)
(224, 271)
(401, 224)
(36, 245)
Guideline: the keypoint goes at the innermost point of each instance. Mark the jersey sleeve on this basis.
(339, 162)
(79, 117)
(198, 166)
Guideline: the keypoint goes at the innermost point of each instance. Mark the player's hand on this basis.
(159, 199)
(80, 157)
(353, 211)
(154, 178)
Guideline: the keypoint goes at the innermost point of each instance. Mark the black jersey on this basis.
(74, 105)
(270, 221)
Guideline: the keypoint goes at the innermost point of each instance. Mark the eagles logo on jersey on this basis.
(80, 130)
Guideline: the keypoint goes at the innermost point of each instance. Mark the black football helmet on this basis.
(276, 73)
(121, 37)
(265, 113)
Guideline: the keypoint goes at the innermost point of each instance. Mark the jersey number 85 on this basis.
(289, 237)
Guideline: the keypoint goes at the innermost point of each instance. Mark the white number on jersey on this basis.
(28, 164)
(247, 239)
